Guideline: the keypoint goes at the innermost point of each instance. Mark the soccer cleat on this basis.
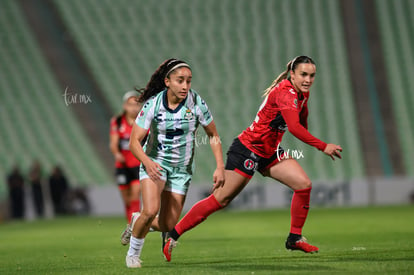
(126, 235)
(133, 261)
(302, 245)
(168, 247)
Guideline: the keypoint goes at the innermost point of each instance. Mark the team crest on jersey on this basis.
(188, 114)
(295, 102)
(249, 164)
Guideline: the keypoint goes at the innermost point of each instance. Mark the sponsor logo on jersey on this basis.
(141, 113)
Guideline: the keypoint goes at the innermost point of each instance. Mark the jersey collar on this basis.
(165, 102)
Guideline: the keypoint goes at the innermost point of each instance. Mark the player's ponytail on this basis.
(291, 66)
(156, 83)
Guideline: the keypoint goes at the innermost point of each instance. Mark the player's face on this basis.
(179, 82)
(303, 76)
(132, 107)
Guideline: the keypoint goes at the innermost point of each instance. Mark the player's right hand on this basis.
(333, 151)
(153, 170)
(119, 157)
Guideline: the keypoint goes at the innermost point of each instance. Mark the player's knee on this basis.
(148, 216)
(225, 201)
(305, 183)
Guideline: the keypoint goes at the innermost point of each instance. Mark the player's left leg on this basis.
(171, 207)
(290, 173)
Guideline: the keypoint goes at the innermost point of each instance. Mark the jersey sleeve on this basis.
(295, 128)
(203, 113)
(146, 115)
(113, 128)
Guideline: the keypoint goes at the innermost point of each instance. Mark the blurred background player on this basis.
(15, 184)
(258, 148)
(36, 184)
(127, 166)
(58, 188)
(172, 111)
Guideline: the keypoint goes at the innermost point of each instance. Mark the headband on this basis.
(179, 65)
(293, 61)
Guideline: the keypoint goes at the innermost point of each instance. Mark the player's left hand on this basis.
(333, 151)
(218, 178)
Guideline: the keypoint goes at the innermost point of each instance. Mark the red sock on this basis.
(135, 206)
(128, 212)
(197, 214)
(299, 210)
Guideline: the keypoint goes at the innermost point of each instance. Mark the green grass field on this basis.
(351, 240)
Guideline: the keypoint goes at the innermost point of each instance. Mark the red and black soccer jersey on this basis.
(121, 127)
(282, 109)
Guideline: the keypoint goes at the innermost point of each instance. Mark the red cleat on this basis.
(302, 245)
(168, 247)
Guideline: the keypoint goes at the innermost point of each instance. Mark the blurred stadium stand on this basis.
(395, 22)
(124, 43)
(236, 49)
(35, 121)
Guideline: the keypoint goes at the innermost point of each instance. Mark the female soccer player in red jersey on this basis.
(127, 166)
(257, 148)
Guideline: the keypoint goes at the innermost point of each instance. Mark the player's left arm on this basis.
(205, 118)
(215, 143)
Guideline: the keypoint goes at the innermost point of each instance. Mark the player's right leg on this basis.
(151, 197)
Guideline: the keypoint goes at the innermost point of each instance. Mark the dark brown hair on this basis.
(291, 66)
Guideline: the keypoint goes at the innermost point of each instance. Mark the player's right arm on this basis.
(114, 142)
(138, 133)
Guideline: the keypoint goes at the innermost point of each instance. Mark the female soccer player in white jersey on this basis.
(172, 111)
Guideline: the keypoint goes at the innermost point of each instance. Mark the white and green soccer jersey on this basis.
(172, 132)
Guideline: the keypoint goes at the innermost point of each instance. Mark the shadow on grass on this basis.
(253, 264)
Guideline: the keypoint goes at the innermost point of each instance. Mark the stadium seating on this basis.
(399, 59)
(35, 122)
(236, 49)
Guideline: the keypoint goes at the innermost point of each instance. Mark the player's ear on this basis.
(292, 74)
(167, 82)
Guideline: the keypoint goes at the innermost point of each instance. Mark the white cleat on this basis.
(133, 261)
(126, 235)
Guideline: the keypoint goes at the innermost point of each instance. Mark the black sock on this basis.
(294, 237)
(174, 234)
